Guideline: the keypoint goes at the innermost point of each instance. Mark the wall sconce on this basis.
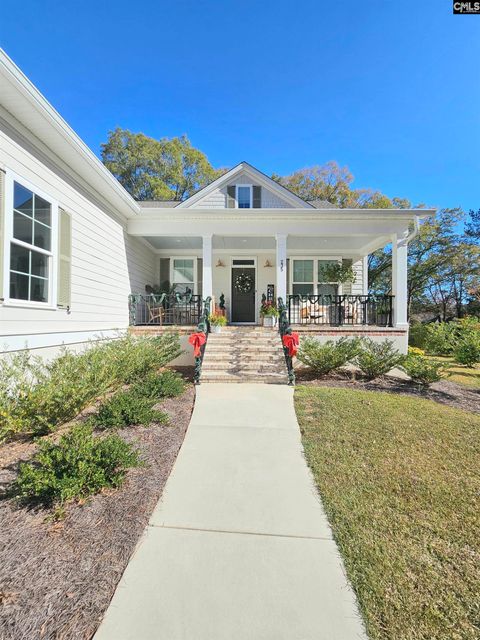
(220, 263)
(267, 264)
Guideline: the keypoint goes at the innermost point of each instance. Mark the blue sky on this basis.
(389, 88)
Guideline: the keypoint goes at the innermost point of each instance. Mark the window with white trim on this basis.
(183, 275)
(244, 196)
(31, 241)
(307, 277)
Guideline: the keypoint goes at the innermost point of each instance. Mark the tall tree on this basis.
(472, 227)
(149, 169)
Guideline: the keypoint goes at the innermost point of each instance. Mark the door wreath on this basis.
(244, 283)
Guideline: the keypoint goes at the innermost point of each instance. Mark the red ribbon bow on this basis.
(197, 340)
(291, 342)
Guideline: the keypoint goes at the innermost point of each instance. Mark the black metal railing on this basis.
(285, 329)
(376, 310)
(165, 309)
(203, 327)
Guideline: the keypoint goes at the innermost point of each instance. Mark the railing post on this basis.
(284, 329)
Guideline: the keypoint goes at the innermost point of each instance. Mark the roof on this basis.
(322, 204)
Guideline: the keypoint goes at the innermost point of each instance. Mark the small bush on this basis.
(125, 409)
(78, 466)
(327, 357)
(417, 335)
(441, 338)
(35, 396)
(376, 359)
(166, 384)
(423, 370)
(467, 351)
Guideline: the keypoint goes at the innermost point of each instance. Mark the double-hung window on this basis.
(183, 275)
(308, 277)
(30, 269)
(244, 196)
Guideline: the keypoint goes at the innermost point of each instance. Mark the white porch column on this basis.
(207, 266)
(399, 279)
(281, 266)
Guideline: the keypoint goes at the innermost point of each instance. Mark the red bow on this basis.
(291, 342)
(197, 340)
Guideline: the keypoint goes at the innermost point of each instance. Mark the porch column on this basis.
(399, 278)
(207, 266)
(281, 266)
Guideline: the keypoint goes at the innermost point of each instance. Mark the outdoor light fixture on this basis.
(220, 263)
(267, 264)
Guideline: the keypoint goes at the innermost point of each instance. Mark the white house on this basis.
(74, 244)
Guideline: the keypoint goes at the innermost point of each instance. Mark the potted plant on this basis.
(217, 321)
(269, 313)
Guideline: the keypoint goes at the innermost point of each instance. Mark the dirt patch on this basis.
(57, 579)
(444, 391)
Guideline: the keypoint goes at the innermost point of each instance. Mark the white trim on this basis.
(10, 178)
(258, 178)
(248, 266)
(250, 187)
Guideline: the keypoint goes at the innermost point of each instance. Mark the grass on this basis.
(399, 478)
(468, 376)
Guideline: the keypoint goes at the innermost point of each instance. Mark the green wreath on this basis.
(244, 283)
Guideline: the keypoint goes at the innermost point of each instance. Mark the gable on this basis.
(271, 194)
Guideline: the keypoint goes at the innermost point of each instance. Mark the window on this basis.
(183, 275)
(308, 279)
(31, 241)
(244, 196)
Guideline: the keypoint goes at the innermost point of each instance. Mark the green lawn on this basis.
(468, 376)
(400, 480)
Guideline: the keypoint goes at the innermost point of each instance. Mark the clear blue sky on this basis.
(389, 88)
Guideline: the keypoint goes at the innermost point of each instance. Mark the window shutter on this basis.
(257, 197)
(199, 276)
(165, 274)
(2, 227)
(64, 277)
(347, 286)
(231, 196)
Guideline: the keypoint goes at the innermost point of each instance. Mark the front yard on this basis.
(399, 478)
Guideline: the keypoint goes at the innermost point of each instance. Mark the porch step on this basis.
(244, 354)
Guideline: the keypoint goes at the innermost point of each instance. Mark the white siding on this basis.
(218, 198)
(106, 263)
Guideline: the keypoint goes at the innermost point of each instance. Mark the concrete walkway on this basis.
(239, 547)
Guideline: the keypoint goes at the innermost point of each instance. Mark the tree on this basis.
(472, 227)
(329, 182)
(149, 169)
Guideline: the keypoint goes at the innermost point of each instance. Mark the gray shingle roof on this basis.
(322, 204)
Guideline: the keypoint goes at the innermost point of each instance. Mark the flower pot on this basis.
(269, 321)
(215, 328)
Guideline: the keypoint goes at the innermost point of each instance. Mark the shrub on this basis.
(217, 320)
(376, 359)
(467, 351)
(78, 466)
(125, 409)
(167, 384)
(417, 335)
(327, 357)
(441, 338)
(36, 396)
(423, 370)
(415, 351)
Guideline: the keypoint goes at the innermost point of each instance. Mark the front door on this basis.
(243, 294)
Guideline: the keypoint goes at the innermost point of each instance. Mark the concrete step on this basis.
(243, 366)
(271, 378)
(227, 359)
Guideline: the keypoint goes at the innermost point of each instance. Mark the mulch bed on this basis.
(444, 391)
(57, 578)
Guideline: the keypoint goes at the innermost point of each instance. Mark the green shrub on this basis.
(441, 338)
(166, 384)
(423, 370)
(35, 396)
(467, 350)
(125, 409)
(417, 335)
(376, 359)
(78, 466)
(327, 357)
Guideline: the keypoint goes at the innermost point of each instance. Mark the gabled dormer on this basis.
(244, 187)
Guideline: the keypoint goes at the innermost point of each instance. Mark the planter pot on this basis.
(215, 328)
(269, 321)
